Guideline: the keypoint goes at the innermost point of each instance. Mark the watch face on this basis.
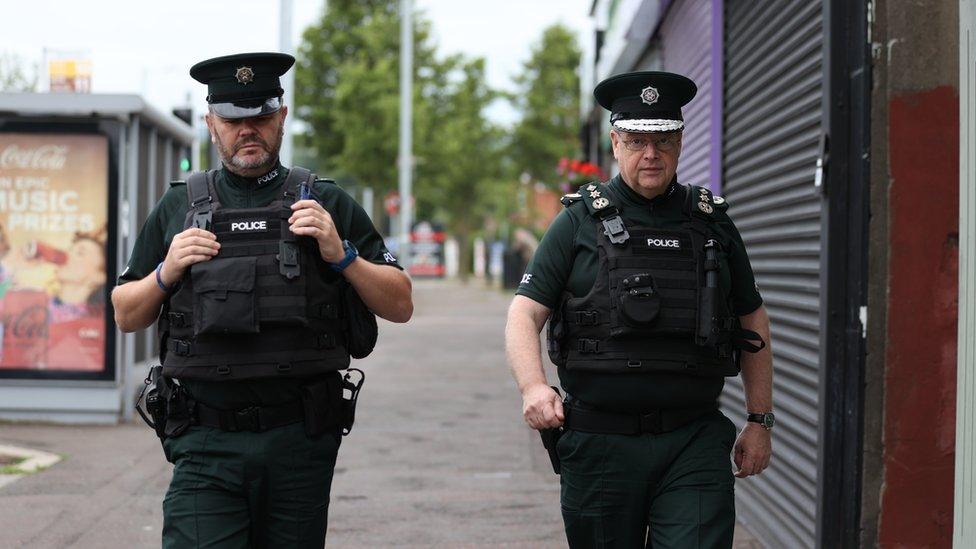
(768, 420)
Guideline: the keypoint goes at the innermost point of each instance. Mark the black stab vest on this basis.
(265, 306)
(656, 305)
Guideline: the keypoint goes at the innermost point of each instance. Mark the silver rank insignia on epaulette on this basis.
(594, 194)
(600, 203)
(705, 207)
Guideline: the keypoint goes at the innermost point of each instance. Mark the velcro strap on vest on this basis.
(182, 347)
(178, 320)
(656, 421)
(588, 345)
(587, 318)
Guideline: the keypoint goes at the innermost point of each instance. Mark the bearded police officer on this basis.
(262, 279)
(651, 302)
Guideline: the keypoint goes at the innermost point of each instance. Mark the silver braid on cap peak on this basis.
(649, 125)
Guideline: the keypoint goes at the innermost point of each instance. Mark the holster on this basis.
(350, 396)
(168, 411)
(550, 437)
(321, 403)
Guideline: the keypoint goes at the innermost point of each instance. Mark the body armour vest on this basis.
(266, 305)
(656, 305)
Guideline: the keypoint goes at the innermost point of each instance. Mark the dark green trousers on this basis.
(673, 490)
(237, 490)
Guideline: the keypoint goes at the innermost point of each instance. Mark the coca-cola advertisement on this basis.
(53, 232)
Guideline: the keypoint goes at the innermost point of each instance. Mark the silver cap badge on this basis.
(649, 95)
(244, 75)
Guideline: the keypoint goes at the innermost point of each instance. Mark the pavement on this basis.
(439, 456)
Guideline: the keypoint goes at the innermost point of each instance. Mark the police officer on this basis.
(651, 302)
(254, 272)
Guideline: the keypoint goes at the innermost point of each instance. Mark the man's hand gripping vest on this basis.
(266, 305)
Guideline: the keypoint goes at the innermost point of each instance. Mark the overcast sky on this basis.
(147, 48)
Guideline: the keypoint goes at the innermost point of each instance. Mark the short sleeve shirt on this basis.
(166, 221)
(567, 260)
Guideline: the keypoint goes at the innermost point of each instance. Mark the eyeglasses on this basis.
(664, 143)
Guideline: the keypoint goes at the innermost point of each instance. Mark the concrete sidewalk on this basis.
(439, 456)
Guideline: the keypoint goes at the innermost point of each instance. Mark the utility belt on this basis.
(325, 406)
(585, 418)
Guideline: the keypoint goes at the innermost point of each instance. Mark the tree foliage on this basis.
(347, 89)
(549, 101)
(16, 75)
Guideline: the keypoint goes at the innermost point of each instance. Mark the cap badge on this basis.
(244, 75)
(649, 95)
(600, 203)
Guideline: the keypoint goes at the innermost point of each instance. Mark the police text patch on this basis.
(248, 226)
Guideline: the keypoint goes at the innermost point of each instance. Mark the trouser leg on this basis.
(205, 505)
(694, 505)
(606, 484)
(296, 488)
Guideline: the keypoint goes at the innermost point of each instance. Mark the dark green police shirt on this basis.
(166, 220)
(567, 259)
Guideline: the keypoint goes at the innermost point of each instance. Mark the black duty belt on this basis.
(253, 418)
(588, 420)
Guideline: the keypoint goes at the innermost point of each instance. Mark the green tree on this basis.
(549, 101)
(16, 75)
(460, 179)
(347, 90)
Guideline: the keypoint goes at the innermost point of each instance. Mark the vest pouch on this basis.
(362, 330)
(639, 300)
(224, 300)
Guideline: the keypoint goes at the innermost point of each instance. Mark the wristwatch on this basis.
(351, 254)
(766, 419)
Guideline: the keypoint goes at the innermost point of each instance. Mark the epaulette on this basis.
(177, 183)
(569, 199)
(325, 180)
(702, 203)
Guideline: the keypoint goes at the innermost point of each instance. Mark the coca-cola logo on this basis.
(45, 157)
(29, 323)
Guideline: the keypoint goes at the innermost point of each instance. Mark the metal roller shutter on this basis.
(686, 52)
(772, 111)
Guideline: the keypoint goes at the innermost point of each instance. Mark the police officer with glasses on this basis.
(651, 303)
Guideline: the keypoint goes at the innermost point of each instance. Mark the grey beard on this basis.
(265, 160)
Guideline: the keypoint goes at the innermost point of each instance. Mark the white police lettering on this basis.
(249, 226)
(663, 243)
(390, 258)
(526, 278)
(267, 177)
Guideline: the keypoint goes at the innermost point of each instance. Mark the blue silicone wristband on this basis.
(159, 278)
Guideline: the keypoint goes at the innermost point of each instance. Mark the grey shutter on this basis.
(688, 51)
(773, 90)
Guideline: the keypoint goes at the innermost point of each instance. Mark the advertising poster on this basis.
(53, 232)
(427, 250)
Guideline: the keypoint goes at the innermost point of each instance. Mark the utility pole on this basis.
(406, 129)
(288, 79)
